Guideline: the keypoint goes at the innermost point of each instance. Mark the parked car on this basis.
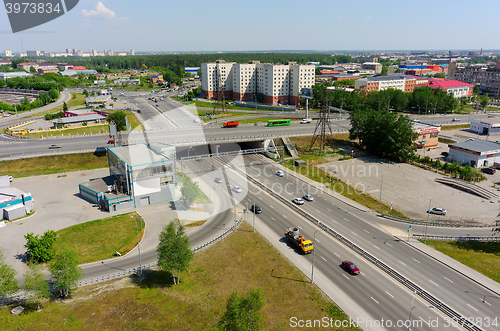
(280, 173)
(54, 146)
(218, 180)
(446, 154)
(437, 211)
(489, 171)
(308, 197)
(416, 121)
(255, 209)
(350, 267)
(237, 189)
(298, 201)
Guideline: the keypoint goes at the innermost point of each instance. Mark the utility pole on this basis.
(253, 210)
(380, 199)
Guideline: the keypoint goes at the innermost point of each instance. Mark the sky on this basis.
(259, 25)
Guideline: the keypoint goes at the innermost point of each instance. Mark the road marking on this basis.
(317, 240)
(376, 247)
(334, 221)
(345, 219)
(362, 274)
(448, 280)
(374, 300)
(328, 209)
(366, 231)
(472, 307)
(354, 233)
(418, 262)
(486, 302)
(299, 227)
(433, 282)
(345, 276)
(271, 207)
(389, 294)
(388, 244)
(323, 258)
(402, 263)
(273, 218)
(285, 216)
(318, 211)
(336, 254)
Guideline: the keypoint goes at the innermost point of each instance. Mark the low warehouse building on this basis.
(428, 135)
(139, 175)
(477, 153)
(487, 127)
(14, 203)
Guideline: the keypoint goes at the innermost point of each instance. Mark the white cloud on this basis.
(100, 11)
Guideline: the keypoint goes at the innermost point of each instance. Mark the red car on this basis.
(350, 267)
(111, 141)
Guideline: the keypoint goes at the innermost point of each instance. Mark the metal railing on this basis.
(455, 238)
(439, 223)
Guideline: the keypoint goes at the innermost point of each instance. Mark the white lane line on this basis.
(448, 280)
(328, 209)
(363, 274)
(389, 294)
(273, 218)
(334, 221)
(472, 307)
(486, 302)
(323, 258)
(336, 254)
(345, 219)
(374, 300)
(354, 233)
(433, 282)
(366, 231)
(402, 263)
(285, 216)
(260, 198)
(271, 207)
(388, 244)
(318, 211)
(299, 227)
(376, 247)
(418, 262)
(345, 276)
(317, 240)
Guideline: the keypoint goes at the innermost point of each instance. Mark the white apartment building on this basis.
(8, 53)
(277, 83)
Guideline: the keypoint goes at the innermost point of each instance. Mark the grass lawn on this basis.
(69, 132)
(77, 99)
(446, 141)
(309, 170)
(484, 257)
(197, 302)
(201, 197)
(101, 239)
(53, 164)
(454, 127)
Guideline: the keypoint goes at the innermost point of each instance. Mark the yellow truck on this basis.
(298, 241)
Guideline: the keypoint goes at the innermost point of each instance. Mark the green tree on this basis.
(119, 119)
(8, 282)
(65, 271)
(383, 133)
(173, 250)
(54, 95)
(40, 248)
(144, 67)
(243, 312)
(483, 101)
(65, 106)
(384, 71)
(85, 93)
(35, 285)
(33, 70)
(317, 71)
(189, 192)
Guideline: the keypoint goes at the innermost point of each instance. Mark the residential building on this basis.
(95, 53)
(121, 54)
(8, 53)
(5, 63)
(33, 53)
(428, 135)
(485, 77)
(46, 70)
(276, 83)
(376, 67)
(381, 83)
(458, 89)
(27, 66)
(132, 52)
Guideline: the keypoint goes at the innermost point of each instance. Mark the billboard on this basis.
(306, 93)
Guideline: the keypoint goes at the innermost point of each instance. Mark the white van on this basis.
(306, 121)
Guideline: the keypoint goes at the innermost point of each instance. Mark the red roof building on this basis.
(77, 68)
(458, 88)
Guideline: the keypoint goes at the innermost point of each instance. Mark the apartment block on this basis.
(381, 83)
(485, 77)
(33, 53)
(8, 53)
(277, 83)
(456, 88)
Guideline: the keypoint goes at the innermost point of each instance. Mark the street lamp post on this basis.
(314, 253)
(427, 224)
(253, 210)
(138, 243)
(411, 311)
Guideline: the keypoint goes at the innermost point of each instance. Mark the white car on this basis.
(298, 201)
(280, 173)
(308, 197)
(237, 189)
(455, 119)
(437, 211)
(305, 121)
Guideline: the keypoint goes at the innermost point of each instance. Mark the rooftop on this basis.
(76, 119)
(445, 83)
(137, 155)
(480, 146)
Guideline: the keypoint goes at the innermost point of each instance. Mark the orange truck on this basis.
(298, 241)
(232, 124)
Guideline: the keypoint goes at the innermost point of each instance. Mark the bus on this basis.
(278, 122)
(232, 124)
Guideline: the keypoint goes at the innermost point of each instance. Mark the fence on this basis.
(370, 258)
(439, 223)
(460, 238)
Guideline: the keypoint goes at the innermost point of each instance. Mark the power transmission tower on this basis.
(323, 129)
(220, 98)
